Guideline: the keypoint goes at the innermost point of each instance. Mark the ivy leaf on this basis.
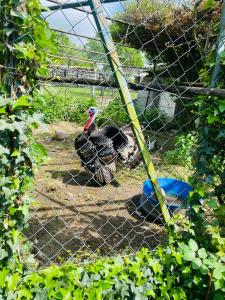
(38, 152)
(212, 203)
(16, 153)
(196, 263)
(2, 110)
(221, 106)
(12, 281)
(202, 253)
(219, 271)
(85, 280)
(178, 258)
(193, 245)
(26, 294)
(3, 254)
(3, 275)
(16, 183)
(25, 211)
(219, 284)
(21, 102)
(5, 125)
(25, 51)
(28, 184)
(211, 119)
(9, 31)
(3, 150)
(17, 14)
(204, 270)
(219, 295)
(200, 190)
(188, 255)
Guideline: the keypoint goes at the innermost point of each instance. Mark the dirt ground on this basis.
(73, 218)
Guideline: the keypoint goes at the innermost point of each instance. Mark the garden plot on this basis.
(73, 218)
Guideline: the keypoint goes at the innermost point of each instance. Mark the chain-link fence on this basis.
(89, 200)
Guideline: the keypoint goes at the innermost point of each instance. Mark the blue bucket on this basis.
(171, 187)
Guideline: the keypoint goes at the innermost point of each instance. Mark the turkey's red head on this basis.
(92, 113)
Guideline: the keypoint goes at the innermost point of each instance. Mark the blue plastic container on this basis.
(171, 187)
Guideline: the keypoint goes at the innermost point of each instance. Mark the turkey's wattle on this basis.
(92, 112)
(100, 148)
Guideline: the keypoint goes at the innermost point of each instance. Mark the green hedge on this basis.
(180, 270)
(65, 104)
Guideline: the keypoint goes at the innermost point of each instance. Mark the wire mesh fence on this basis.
(89, 200)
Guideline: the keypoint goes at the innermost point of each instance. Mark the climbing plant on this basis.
(24, 39)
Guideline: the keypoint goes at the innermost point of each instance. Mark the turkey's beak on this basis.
(87, 112)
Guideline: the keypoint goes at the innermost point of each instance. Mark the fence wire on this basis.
(161, 45)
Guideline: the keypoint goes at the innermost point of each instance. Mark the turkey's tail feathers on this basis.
(129, 153)
(101, 167)
(104, 174)
(124, 144)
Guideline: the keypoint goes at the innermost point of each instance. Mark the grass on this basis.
(76, 92)
(80, 92)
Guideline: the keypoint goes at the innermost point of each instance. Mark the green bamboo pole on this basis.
(101, 23)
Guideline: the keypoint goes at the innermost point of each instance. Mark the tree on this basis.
(129, 56)
(70, 54)
(180, 36)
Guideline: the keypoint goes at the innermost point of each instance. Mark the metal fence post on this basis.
(104, 33)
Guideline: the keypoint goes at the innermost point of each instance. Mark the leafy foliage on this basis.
(182, 269)
(66, 104)
(128, 56)
(210, 156)
(153, 119)
(185, 147)
(114, 111)
(70, 55)
(158, 28)
(23, 43)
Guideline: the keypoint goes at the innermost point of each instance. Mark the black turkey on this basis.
(100, 149)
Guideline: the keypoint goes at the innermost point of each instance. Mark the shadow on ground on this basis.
(84, 230)
(78, 177)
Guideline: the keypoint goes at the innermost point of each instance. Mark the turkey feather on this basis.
(99, 149)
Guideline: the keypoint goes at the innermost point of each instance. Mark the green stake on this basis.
(101, 23)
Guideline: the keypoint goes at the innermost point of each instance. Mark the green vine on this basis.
(24, 40)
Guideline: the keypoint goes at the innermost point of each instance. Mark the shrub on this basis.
(115, 112)
(150, 18)
(153, 119)
(77, 113)
(185, 146)
(24, 38)
(72, 107)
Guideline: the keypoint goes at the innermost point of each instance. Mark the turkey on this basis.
(99, 149)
